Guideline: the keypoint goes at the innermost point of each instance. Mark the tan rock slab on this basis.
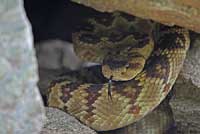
(185, 13)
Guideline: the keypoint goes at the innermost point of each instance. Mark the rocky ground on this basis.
(59, 122)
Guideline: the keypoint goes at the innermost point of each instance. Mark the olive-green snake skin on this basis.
(143, 71)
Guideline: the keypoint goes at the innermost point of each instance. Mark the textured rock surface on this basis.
(180, 12)
(186, 103)
(191, 69)
(60, 53)
(21, 110)
(59, 122)
(186, 106)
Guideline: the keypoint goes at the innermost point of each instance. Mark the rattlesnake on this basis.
(143, 70)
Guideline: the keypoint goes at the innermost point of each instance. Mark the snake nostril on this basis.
(122, 73)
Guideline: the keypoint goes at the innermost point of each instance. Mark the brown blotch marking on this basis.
(167, 87)
(66, 90)
(133, 94)
(89, 118)
(134, 65)
(65, 94)
(92, 97)
(158, 67)
(135, 109)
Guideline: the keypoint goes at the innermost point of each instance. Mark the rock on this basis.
(179, 12)
(21, 108)
(60, 53)
(193, 3)
(186, 102)
(59, 122)
(191, 68)
(187, 115)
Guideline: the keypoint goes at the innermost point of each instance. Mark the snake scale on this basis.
(143, 72)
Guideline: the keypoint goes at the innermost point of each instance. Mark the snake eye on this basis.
(128, 48)
(127, 65)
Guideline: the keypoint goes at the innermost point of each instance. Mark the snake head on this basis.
(122, 69)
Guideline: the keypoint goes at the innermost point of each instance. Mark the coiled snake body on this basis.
(143, 74)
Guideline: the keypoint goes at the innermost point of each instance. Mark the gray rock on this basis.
(59, 122)
(186, 102)
(55, 54)
(21, 109)
(187, 116)
(191, 69)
